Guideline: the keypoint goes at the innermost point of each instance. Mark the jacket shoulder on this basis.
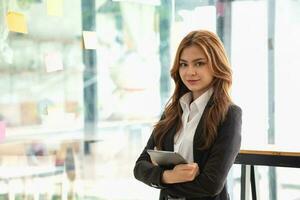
(234, 109)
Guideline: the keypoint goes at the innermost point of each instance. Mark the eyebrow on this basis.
(195, 60)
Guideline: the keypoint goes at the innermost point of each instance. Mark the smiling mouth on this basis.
(192, 81)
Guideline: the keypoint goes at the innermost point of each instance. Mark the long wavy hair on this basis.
(218, 63)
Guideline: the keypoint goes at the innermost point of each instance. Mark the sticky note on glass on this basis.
(55, 7)
(16, 22)
(90, 39)
(53, 62)
(2, 130)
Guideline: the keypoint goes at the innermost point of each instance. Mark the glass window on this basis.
(80, 117)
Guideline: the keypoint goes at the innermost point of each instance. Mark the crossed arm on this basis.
(188, 180)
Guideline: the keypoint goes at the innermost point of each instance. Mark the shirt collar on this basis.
(200, 102)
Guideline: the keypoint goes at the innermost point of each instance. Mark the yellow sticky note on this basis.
(90, 39)
(55, 7)
(53, 62)
(16, 22)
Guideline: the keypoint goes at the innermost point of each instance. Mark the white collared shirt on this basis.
(192, 112)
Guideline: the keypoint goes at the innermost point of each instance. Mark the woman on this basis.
(200, 122)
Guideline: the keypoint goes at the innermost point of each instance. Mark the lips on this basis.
(192, 82)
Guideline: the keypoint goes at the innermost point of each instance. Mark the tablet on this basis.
(166, 158)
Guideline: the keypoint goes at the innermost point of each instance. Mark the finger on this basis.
(183, 167)
(190, 166)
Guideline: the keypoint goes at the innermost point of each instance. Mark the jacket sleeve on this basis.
(212, 177)
(145, 171)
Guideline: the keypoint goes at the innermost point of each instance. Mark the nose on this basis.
(191, 71)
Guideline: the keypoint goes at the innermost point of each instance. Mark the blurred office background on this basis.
(75, 133)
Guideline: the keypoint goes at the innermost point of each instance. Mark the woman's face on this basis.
(194, 70)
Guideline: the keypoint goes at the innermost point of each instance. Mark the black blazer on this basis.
(214, 163)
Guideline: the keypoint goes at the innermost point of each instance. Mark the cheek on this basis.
(209, 79)
(181, 74)
(207, 75)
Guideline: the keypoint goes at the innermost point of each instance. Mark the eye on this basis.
(199, 64)
(182, 64)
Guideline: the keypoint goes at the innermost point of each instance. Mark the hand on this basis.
(181, 173)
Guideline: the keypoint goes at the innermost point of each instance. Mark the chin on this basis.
(195, 89)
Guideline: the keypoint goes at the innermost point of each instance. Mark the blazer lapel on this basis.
(169, 140)
(199, 129)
